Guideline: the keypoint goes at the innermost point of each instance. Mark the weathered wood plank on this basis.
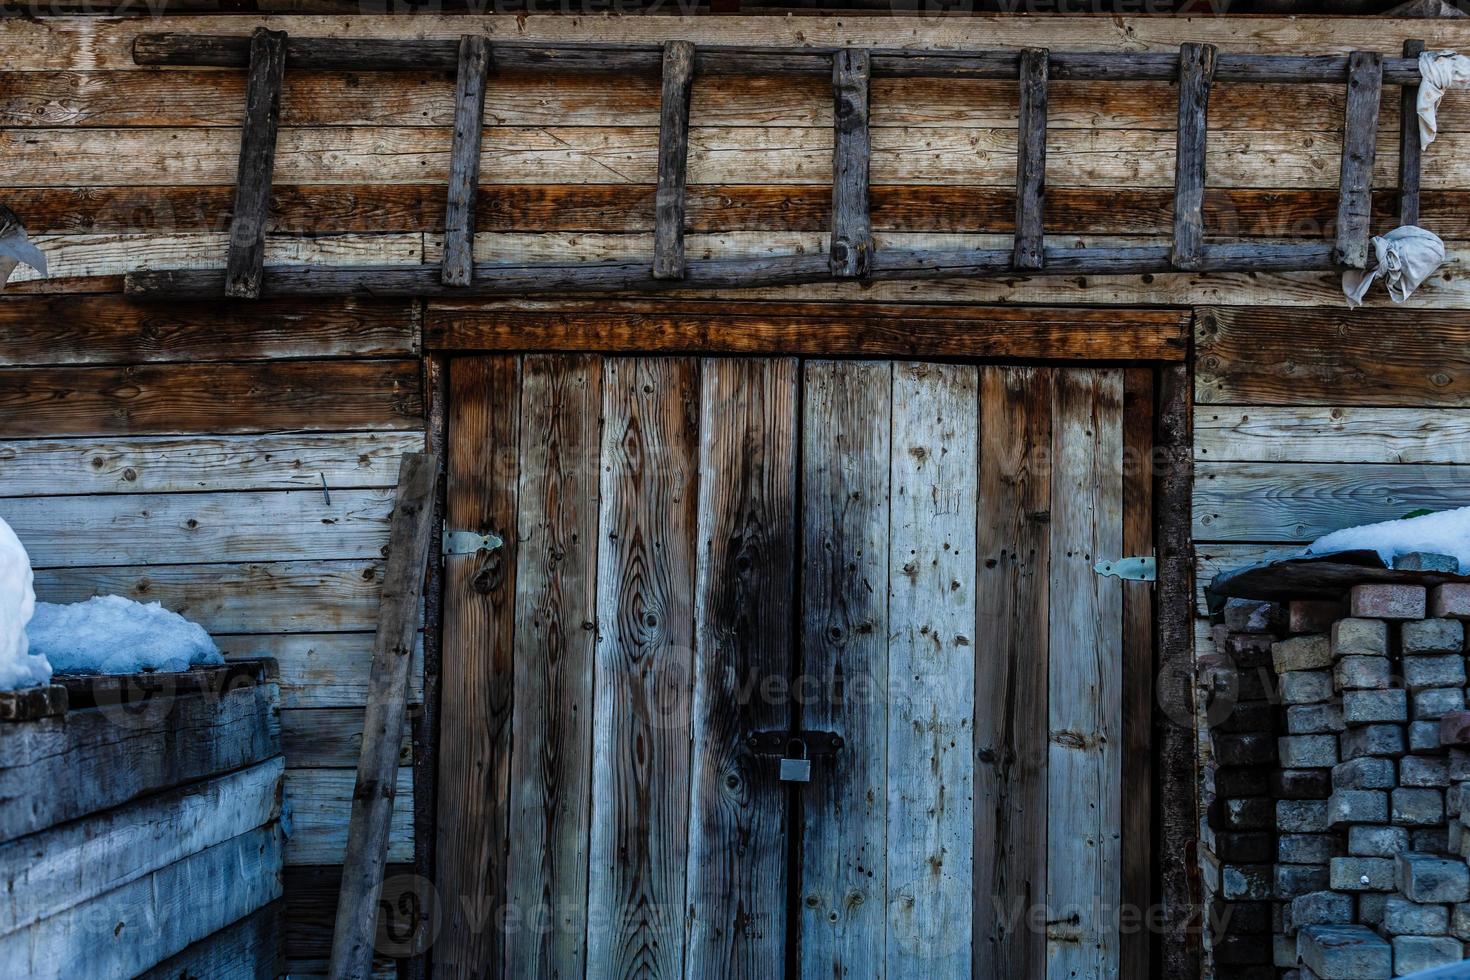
(673, 160)
(852, 230)
(745, 594)
(1031, 159)
(933, 476)
(255, 169)
(30, 703)
(156, 399)
(1410, 157)
(321, 805)
(153, 917)
(556, 600)
(1331, 434)
(646, 573)
(477, 669)
(46, 873)
(1196, 75)
(1323, 356)
(172, 528)
(331, 738)
(464, 159)
(1359, 144)
(1213, 557)
(1084, 763)
(95, 758)
(249, 949)
(846, 412)
(1014, 553)
(311, 912)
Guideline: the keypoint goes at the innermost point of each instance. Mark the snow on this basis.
(113, 635)
(19, 666)
(1444, 533)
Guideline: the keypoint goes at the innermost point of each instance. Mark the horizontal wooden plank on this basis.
(1302, 501)
(264, 597)
(96, 758)
(1213, 557)
(49, 872)
(1332, 357)
(116, 330)
(329, 738)
(321, 803)
(1331, 434)
(311, 911)
(156, 399)
(249, 949)
(886, 332)
(169, 464)
(320, 670)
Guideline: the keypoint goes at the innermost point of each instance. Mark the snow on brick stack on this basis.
(1339, 834)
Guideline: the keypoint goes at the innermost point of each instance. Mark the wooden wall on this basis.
(177, 453)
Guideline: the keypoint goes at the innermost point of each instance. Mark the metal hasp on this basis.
(470, 542)
(816, 745)
(1139, 568)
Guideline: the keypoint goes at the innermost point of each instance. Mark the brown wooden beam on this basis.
(673, 160)
(1031, 161)
(257, 163)
(1359, 144)
(1409, 149)
(852, 228)
(1196, 74)
(464, 160)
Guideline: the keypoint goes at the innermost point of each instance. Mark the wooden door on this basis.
(698, 549)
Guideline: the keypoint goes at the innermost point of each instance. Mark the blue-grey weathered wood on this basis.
(852, 228)
(1196, 74)
(464, 160)
(257, 163)
(1359, 144)
(673, 160)
(1031, 160)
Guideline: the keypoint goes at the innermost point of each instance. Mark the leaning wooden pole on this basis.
(246, 258)
(377, 767)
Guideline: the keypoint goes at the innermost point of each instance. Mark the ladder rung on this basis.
(246, 257)
(1360, 134)
(464, 160)
(1409, 144)
(851, 251)
(673, 159)
(1028, 252)
(1196, 75)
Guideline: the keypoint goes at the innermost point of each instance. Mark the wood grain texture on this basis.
(1084, 763)
(249, 949)
(673, 160)
(1196, 74)
(851, 245)
(933, 481)
(477, 671)
(1331, 434)
(745, 594)
(1410, 155)
(645, 611)
(464, 159)
(846, 413)
(255, 169)
(1011, 667)
(555, 642)
(331, 738)
(1031, 159)
(1359, 145)
(321, 805)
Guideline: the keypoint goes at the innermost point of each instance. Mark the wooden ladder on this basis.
(851, 255)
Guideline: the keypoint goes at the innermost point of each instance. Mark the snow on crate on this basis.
(113, 635)
(19, 665)
(1444, 533)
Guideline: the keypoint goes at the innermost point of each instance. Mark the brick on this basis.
(1451, 600)
(1365, 773)
(1402, 917)
(1454, 728)
(1246, 847)
(1359, 637)
(1366, 707)
(1244, 917)
(1249, 749)
(1428, 878)
(1249, 716)
(1381, 601)
(1426, 561)
(1283, 951)
(1356, 673)
(1251, 882)
(1345, 952)
(1432, 636)
(1371, 740)
(1348, 806)
(1316, 719)
(1242, 951)
(1420, 770)
(1301, 784)
(1318, 908)
(1435, 670)
(1417, 807)
(1306, 686)
(1452, 795)
(1460, 921)
(1300, 879)
(1313, 615)
(1304, 653)
(1308, 848)
(1301, 816)
(1459, 762)
(1251, 813)
(1434, 702)
(1370, 907)
(1411, 954)
(1247, 649)
(1254, 616)
(1241, 781)
(1423, 736)
(1308, 751)
(1377, 840)
(1361, 874)
(1429, 840)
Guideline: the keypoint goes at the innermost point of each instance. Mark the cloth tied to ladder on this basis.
(1439, 71)
(1406, 257)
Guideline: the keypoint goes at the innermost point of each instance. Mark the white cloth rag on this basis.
(1406, 257)
(1439, 71)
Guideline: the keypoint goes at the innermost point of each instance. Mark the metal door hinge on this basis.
(470, 542)
(1138, 568)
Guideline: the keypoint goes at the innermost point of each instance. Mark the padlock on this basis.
(797, 769)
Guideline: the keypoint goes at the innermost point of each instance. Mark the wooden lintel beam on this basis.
(1409, 150)
(1027, 252)
(673, 160)
(852, 227)
(1196, 74)
(464, 159)
(1359, 143)
(257, 162)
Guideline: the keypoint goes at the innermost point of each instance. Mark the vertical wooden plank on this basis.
(1012, 582)
(464, 160)
(1196, 73)
(744, 608)
(673, 158)
(1138, 676)
(852, 230)
(844, 641)
(1031, 160)
(1409, 149)
(931, 670)
(1359, 143)
(1084, 764)
(551, 720)
(246, 256)
(477, 668)
(645, 612)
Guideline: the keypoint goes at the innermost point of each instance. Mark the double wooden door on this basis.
(699, 550)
